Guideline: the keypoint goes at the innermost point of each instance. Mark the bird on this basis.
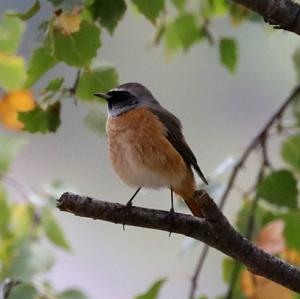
(146, 145)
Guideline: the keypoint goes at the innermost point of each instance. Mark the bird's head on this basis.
(127, 97)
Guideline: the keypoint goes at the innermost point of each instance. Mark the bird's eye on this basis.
(120, 95)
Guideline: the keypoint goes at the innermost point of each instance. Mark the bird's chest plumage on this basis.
(140, 153)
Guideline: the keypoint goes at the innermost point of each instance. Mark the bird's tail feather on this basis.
(186, 191)
(200, 173)
(193, 206)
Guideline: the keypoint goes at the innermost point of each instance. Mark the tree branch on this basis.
(283, 14)
(214, 230)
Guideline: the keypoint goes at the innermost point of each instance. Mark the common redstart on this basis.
(146, 144)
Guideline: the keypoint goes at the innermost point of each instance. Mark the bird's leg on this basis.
(172, 202)
(129, 205)
(172, 212)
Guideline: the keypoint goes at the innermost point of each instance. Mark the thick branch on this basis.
(214, 230)
(284, 14)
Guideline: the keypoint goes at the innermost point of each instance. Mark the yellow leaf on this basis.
(258, 287)
(13, 103)
(21, 220)
(271, 238)
(12, 71)
(21, 100)
(9, 117)
(291, 255)
(68, 22)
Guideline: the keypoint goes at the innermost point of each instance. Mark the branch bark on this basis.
(283, 14)
(214, 230)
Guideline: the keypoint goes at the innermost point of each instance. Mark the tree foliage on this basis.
(71, 36)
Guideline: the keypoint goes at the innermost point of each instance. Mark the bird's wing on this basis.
(176, 138)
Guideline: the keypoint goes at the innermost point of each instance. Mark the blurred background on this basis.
(220, 113)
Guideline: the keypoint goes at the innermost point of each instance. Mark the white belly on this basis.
(130, 168)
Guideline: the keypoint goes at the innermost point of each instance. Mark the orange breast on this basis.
(141, 154)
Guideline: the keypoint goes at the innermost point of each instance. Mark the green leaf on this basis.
(228, 266)
(41, 120)
(23, 291)
(228, 53)
(54, 84)
(214, 8)
(33, 258)
(66, 5)
(182, 33)
(53, 230)
(12, 71)
(4, 212)
(292, 229)
(95, 121)
(279, 188)
(21, 220)
(81, 46)
(9, 147)
(150, 8)
(72, 294)
(100, 79)
(262, 217)
(40, 62)
(109, 12)
(11, 30)
(291, 151)
(153, 291)
(296, 59)
(219, 7)
(179, 4)
(29, 13)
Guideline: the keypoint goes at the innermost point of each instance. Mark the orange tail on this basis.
(186, 191)
(193, 206)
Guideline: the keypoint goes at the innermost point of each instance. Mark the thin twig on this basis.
(255, 142)
(233, 278)
(250, 222)
(72, 90)
(17, 186)
(248, 234)
(200, 263)
(259, 140)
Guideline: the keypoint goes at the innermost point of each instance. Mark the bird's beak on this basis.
(102, 95)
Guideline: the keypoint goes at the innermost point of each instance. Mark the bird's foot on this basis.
(126, 213)
(171, 216)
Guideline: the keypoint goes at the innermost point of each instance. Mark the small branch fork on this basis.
(214, 230)
(282, 14)
(259, 141)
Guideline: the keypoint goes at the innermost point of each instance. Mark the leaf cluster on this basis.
(71, 36)
(26, 220)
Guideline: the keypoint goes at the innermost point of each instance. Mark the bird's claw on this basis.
(127, 210)
(171, 216)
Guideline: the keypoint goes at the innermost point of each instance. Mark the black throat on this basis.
(120, 101)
